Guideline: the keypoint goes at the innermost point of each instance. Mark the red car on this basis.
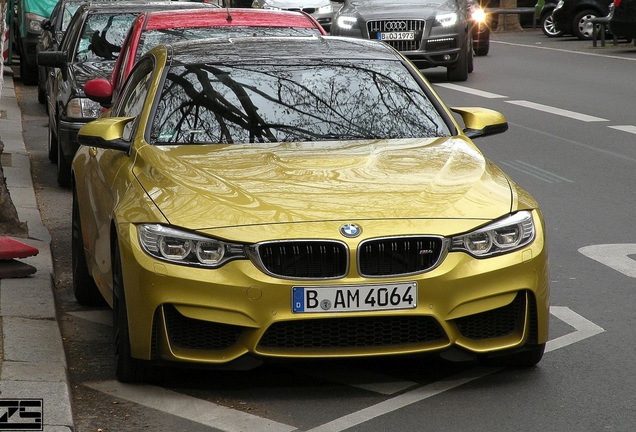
(155, 28)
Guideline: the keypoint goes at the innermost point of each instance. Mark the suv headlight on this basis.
(325, 9)
(347, 22)
(83, 108)
(505, 235)
(447, 20)
(183, 247)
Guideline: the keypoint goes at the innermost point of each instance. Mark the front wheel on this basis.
(548, 27)
(459, 71)
(84, 287)
(63, 166)
(583, 26)
(127, 369)
(52, 141)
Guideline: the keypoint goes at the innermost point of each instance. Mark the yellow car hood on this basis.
(212, 186)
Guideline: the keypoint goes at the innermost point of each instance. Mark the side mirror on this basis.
(53, 59)
(46, 24)
(99, 90)
(480, 122)
(106, 133)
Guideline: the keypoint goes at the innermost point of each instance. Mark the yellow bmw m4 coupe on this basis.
(308, 197)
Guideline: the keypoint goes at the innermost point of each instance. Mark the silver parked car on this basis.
(431, 33)
(321, 10)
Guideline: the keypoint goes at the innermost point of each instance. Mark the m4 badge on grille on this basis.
(350, 230)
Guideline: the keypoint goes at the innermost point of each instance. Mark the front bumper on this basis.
(219, 316)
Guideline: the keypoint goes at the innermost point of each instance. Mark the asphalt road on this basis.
(571, 143)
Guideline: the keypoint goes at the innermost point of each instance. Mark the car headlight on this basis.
(34, 23)
(183, 247)
(478, 15)
(83, 108)
(346, 22)
(505, 235)
(325, 9)
(447, 20)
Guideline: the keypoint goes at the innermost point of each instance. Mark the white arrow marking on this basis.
(584, 328)
(615, 256)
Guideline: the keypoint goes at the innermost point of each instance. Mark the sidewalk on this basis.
(33, 362)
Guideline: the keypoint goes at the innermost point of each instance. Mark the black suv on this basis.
(623, 18)
(575, 16)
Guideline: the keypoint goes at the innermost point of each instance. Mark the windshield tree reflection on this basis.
(312, 101)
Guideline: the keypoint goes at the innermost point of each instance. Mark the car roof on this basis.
(221, 17)
(237, 50)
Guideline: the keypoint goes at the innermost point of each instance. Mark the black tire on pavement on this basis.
(459, 71)
(29, 75)
(63, 167)
(582, 26)
(84, 287)
(548, 27)
(127, 369)
(52, 141)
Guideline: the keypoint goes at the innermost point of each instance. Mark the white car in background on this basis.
(321, 10)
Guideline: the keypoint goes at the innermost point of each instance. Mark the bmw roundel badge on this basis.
(350, 230)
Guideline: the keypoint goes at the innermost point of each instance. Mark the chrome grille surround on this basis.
(302, 259)
(398, 256)
(416, 25)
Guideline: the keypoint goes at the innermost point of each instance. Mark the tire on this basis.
(63, 167)
(548, 27)
(482, 49)
(459, 71)
(127, 369)
(52, 141)
(84, 288)
(529, 357)
(582, 26)
(471, 61)
(29, 75)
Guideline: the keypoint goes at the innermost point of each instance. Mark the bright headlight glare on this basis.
(447, 20)
(505, 235)
(83, 108)
(325, 9)
(478, 15)
(182, 247)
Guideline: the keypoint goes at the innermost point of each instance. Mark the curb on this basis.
(33, 363)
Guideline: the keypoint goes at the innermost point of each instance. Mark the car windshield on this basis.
(290, 102)
(153, 38)
(103, 36)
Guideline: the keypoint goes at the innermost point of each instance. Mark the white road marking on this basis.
(230, 420)
(615, 256)
(584, 328)
(471, 91)
(625, 128)
(190, 408)
(557, 111)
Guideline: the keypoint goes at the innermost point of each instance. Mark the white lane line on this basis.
(190, 408)
(405, 399)
(624, 128)
(557, 111)
(615, 256)
(471, 91)
(567, 51)
(584, 328)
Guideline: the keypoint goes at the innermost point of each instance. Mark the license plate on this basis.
(350, 298)
(390, 36)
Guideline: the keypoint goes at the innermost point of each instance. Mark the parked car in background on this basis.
(546, 21)
(622, 19)
(160, 27)
(53, 29)
(430, 34)
(89, 49)
(575, 16)
(321, 10)
(27, 26)
(267, 198)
